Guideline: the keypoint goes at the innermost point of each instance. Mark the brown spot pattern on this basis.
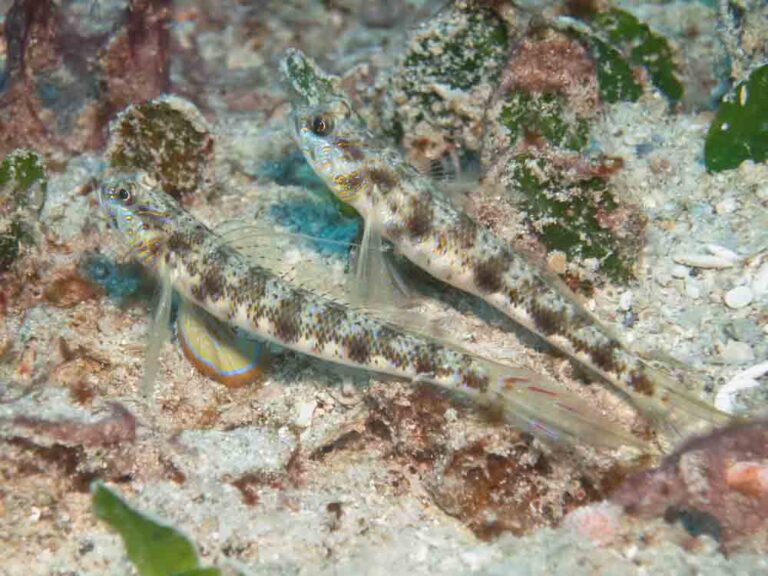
(547, 320)
(385, 178)
(641, 384)
(419, 219)
(358, 349)
(488, 274)
(287, 319)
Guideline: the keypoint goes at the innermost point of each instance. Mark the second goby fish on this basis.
(208, 272)
(408, 209)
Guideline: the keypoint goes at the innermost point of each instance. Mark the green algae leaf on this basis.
(306, 81)
(615, 78)
(644, 47)
(154, 548)
(740, 129)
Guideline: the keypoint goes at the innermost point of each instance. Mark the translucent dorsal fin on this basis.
(218, 351)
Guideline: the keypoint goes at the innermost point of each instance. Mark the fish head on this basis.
(337, 144)
(137, 206)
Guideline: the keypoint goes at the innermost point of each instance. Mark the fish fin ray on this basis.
(540, 406)
(159, 332)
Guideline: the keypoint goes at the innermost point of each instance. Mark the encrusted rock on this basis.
(168, 138)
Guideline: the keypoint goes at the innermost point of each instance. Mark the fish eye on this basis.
(321, 125)
(124, 195)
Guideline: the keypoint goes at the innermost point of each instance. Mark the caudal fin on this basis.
(533, 402)
(675, 412)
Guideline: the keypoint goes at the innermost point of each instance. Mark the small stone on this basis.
(557, 261)
(692, 289)
(704, 261)
(743, 330)
(304, 413)
(625, 301)
(760, 281)
(679, 271)
(749, 478)
(738, 297)
(737, 353)
(726, 206)
(598, 523)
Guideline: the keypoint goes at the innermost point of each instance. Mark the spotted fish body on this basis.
(409, 210)
(208, 272)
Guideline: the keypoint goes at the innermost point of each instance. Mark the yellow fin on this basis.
(216, 350)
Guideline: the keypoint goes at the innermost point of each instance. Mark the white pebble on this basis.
(726, 206)
(704, 261)
(738, 297)
(692, 289)
(625, 301)
(741, 381)
(723, 252)
(304, 413)
(679, 271)
(760, 281)
(736, 352)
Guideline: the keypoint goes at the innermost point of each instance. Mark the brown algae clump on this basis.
(168, 138)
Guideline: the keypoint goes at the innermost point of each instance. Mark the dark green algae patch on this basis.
(574, 222)
(449, 65)
(739, 131)
(22, 195)
(635, 41)
(461, 48)
(620, 43)
(545, 115)
(305, 81)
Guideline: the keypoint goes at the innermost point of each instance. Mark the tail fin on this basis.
(676, 412)
(533, 402)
